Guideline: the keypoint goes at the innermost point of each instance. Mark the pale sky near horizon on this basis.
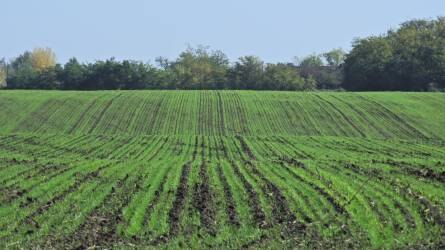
(276, 31)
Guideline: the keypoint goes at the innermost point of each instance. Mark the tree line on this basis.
(195, 68)
(410, 58)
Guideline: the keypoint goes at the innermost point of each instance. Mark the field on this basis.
(221, 169)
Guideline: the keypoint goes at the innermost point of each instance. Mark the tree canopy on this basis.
(2, 73)
(409, 58)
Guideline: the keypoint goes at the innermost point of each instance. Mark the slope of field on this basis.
(229, 169)
(375, 115)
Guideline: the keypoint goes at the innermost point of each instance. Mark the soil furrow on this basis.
(80, 180)
(282, 213)
(179, 202)
(99, 230)
(230, 202)
(254, 200)
(203, 201)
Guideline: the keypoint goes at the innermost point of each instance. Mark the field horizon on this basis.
(229, 112)
(221, 169)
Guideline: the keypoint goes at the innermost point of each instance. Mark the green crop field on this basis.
(221, 169)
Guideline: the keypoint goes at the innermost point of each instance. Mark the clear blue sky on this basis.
(275, 30)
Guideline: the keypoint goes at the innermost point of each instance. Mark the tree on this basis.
(25, 70)
(192, 69)
(282, 77)
(49, 78)
(366, 65)
(220, 67)
(22, 61)
(21, 73)
(313, 60)
(419, 54)
(411, 58)
(335, 57)
(310, 66)
(310, 83)
(318, 75)
(164, 77)
(73, 74)
(247, 73)
(137, 75)
(43, 58)
(3, 73)
(199, 68)
(103, 75)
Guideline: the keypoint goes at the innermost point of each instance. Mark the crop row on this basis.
(224, 113)
(77, 191)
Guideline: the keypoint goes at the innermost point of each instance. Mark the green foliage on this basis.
(409, 58)
(311, 61)
(48, 78)
(34, 70)
(283, 77)
(247, 73)
(319, 75)
(3, 72)
(23, 61)
(21, 73)
(73, 74)
(195, 68)
(335, 57)
(200, 69)
(366, 64)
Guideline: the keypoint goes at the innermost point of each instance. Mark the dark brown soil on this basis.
(431, 213)
(99, 230)
(282, 214)
(408, 218)
(203, 201)
(230, 203)
(254, 200)
(81, 179)
(11, 193)
(291, 161)
(420, 171)
(156, 198)
(245, 148)
(179, 202)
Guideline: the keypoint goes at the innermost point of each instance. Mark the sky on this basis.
(276, 31)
